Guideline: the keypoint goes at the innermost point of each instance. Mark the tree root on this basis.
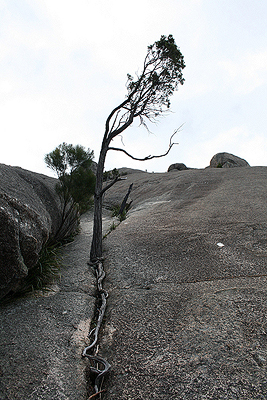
(95, 360)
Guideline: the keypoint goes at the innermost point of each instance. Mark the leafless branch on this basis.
(97, 394)
(171, 144)
(122, 140)
(118, 178)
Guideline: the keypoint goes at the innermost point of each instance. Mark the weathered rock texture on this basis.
(43, 361)
(42, 337)
(186, 277)
(30, 215)
(177, 166)
(227, 160)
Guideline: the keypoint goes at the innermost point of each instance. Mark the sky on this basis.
(64, 67)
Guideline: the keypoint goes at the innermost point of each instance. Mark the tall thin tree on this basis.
(148, 97)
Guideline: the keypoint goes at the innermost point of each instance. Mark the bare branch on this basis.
(118, 178)
(115, 119)
(120, 106)
(142, 159)
(122, 140)
(124, 126)
(97, 394)
(171, 144)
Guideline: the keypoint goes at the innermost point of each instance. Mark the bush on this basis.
(76, 182)
(45, 273)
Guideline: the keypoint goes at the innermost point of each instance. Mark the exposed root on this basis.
(95, 360)
(96, 394)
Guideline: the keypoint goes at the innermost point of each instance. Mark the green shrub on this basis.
(116, 210)
(46, 272)
(110, 175)
(76, 183)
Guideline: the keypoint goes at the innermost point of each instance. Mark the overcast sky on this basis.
(64, 66)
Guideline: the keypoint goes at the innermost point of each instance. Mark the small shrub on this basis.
(45, 272)
(76, 182)
(112, 227)
(110, 175)
(123, 215)
(116, 210)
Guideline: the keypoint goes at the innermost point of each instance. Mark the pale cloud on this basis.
(247, 72)
(5, 87)
(252, 147)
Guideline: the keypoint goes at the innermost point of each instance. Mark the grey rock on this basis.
(128, 171)
(43, 334)
(30, 215)
(177, 166)
(227, 160)
(186, 319)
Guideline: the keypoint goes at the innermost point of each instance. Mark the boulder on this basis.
(177, 166)
(227, 160)
(30, 216)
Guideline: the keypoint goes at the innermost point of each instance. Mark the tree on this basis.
(148, 97)
(76, 181)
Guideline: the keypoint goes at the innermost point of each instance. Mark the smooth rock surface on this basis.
(186, 276)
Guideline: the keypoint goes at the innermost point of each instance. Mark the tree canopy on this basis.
(149, 95)
(150, 91)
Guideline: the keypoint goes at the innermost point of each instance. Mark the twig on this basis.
(171, 144)
(96, 394)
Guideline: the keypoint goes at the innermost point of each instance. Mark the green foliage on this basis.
(46, 272)
(110, 175)
(219, 165)
(78, 186)
(66, 158)
(76, 181)
(162, 73)
(116, 210)
(123, 215)
(112, 227)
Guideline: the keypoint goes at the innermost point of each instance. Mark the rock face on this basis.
(194, 312)
(177, 166)
(30, 215)
(227, 160)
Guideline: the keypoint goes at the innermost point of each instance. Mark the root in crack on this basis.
(99, 367)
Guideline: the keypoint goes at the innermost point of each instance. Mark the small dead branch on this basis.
(96, 394)
(123, 204)
(171, 144)
(118, 178)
